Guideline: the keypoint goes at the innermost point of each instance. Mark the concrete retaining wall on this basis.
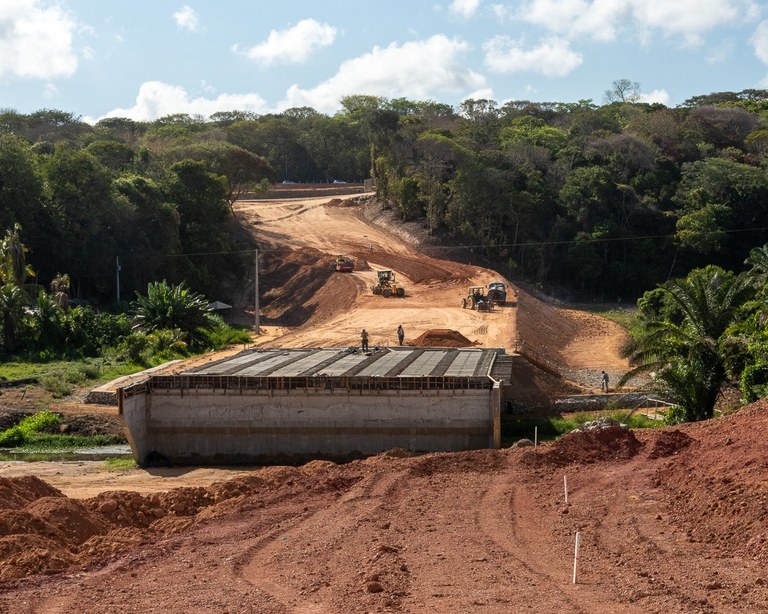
(219, 427)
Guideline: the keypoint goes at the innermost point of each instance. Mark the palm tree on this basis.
(13, 260)
(171, 307)
(12, 302)
(60, 286)
(686, 350)
(48, 317)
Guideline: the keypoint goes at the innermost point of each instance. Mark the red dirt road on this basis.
(482, 531)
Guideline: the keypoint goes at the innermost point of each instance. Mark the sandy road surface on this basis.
(434, 288)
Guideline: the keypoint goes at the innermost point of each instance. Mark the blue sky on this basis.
(144, 59)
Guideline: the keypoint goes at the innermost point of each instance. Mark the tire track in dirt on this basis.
(630, 526)
(509, 516)
(322, 539)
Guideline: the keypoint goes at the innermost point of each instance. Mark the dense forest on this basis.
(587, 201)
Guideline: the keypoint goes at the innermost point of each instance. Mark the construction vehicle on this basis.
(386, 284)
(344, 264)
(497, 292)
(476, 299)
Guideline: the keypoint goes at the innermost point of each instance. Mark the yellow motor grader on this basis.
(386, 285)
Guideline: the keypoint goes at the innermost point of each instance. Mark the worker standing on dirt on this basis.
(364, 340)
(400, 334)
(604, 382)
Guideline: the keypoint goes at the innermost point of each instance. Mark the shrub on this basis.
(25, 430)
(55, 383)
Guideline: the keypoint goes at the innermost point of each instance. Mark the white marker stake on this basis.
(535, 436)
(576, 555)
(565, 488)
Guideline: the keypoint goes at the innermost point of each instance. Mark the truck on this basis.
(344, 264)
(497, 292)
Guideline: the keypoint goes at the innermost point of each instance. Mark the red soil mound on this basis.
(18, 492)
(441, 337)
(581, 447)
(717, 486)
(669, 443)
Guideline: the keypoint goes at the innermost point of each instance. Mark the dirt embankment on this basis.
(670, 521)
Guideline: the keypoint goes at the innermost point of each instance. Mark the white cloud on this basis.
(416, 70)
(605, 19)
(552, 58)
(502, 12)
(156, 99)
(760, 42)
(291, 46)
(187, 18)
(465, 8)
(36, 40)
(485, 93)
(661, 96)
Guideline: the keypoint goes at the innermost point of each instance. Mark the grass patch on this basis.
(33, 434)
(120, 464)
(625, 316)
(553, 427)
(28, 428)
(51, 442)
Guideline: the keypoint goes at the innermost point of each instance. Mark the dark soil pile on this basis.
(669, 443)
(441, 337)
(581, 447)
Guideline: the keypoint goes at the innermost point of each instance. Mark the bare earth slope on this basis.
(672, 521)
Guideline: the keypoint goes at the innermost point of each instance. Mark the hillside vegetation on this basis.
(597, 201)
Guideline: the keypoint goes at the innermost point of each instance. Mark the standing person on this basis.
(604, 382)
(400, 334)
(364, 340)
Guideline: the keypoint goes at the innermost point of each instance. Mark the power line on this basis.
(481, 246)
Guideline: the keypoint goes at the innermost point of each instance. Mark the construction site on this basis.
(305, 404)
(410, 502)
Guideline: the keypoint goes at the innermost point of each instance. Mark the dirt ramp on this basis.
(419, 269)
(441, 337)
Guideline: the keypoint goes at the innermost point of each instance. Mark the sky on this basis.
(145, 59)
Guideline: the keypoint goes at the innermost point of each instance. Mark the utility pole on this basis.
(117, 267)
(256, 290)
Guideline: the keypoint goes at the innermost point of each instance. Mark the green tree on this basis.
(168, 306)
(623, 90)
(685, 343)
(12, 303)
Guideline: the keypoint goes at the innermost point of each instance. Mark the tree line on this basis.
(584, 200)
